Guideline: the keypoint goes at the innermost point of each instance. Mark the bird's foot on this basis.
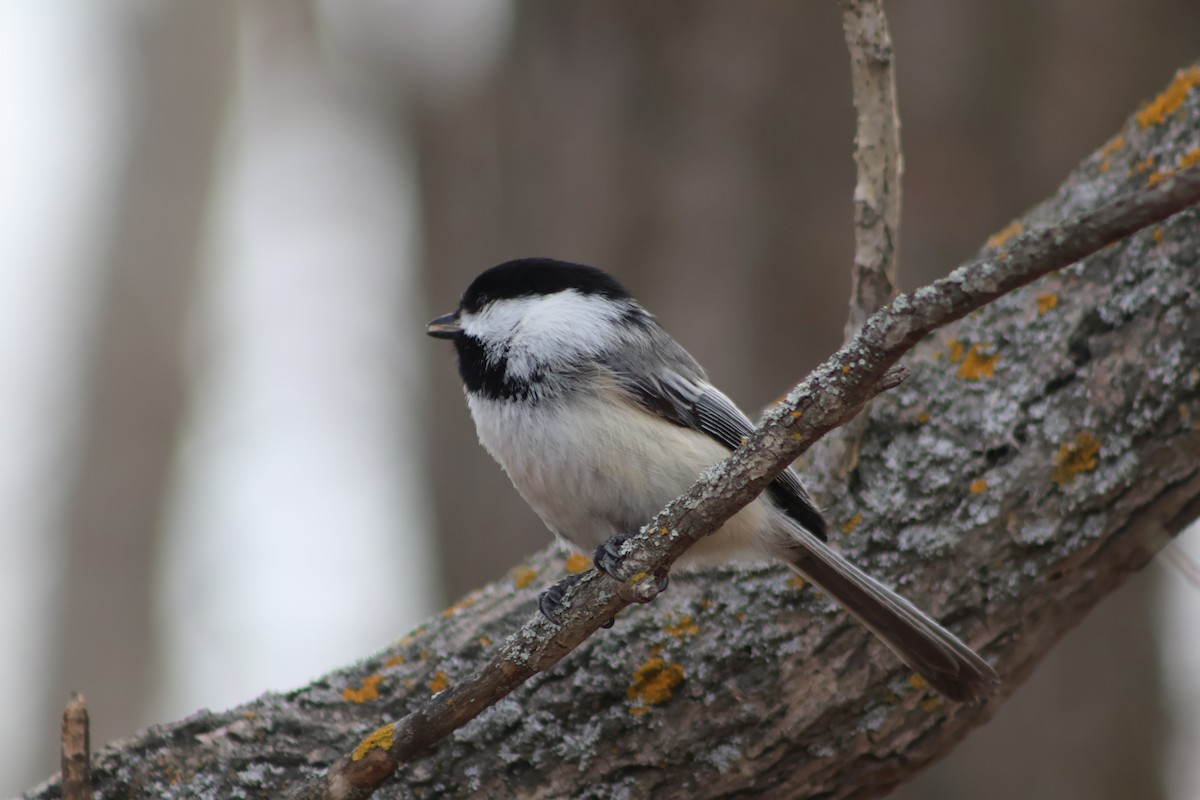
(640, 587)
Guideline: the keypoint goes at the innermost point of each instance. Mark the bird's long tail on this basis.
(933, 652)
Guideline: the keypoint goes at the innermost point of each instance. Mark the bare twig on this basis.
(829, 396)
(76, 750)
(878, 159)
(880, 165)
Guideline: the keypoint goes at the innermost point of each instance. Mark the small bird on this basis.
(600, 419)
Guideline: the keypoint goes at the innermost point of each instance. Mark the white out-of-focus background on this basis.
(229, 458)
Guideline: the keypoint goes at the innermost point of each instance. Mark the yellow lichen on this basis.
(438, 683)
(683, 627)
(367, 691)
(1145, 165)
(977, 365)
(1002, 236)
(577, 563)
(383, 739)
(797, 582)
(1046, 302)
(1074, 457)
(462, 604)
(1188, 159)
(1171, 98)
(1109, 150)
(485, 641)
(1158, 175)
(917, 682)
(979, 486)
(1157, 234)
(851, 523)
(394, 661)
(523, 576)
(930, 704)
(653, 683)
(957, 349)
(923, 417)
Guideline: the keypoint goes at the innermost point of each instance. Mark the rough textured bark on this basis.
(1043, 450)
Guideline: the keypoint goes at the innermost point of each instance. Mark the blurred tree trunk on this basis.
(135, 405)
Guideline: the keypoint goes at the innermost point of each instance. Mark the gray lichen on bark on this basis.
(1043, 449)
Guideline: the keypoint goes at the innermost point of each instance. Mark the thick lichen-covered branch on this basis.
(1045, 446)
(828, 397)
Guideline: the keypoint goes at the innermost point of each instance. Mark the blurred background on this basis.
(230, 460)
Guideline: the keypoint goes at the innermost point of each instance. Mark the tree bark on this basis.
(1042, 451)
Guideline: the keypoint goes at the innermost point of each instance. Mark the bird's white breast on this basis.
(598, 465)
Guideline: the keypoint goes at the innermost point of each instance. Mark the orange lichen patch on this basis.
(1159, 175)
(917, 682)
(412, 637)
(439, 682)
(1074, 457)
(577, 563)
(383, 739)
(845, 369)
(485, 641)
(653, 683)
(979, 486)
(1171, 98)
(1046, 302)
(957, 349)
(930, 704)
(368, 690)
(796, 414)
(1157, 235)
(797, 582)
(977, 365)
(394, 661)
(462, 604)
(1003, 235)
(1145, 165)
(1109, 150)
(1188, 159)
(523, 576)
(664, 531)
(923, 417)
(683, 627)
(851, 523)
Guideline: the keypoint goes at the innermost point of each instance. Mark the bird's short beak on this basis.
(444, 327)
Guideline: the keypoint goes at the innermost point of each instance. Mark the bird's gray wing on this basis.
(676, 389)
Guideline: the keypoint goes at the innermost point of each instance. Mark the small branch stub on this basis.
(76, 750)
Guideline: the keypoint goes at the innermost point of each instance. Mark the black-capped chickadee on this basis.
(600, 419)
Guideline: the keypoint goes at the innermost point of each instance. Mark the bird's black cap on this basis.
(528, 277)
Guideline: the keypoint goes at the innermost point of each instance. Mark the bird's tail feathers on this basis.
(933, 652)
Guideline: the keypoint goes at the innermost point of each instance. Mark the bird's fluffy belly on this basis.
(601, 467)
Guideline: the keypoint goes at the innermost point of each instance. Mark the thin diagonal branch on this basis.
(828, 397)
